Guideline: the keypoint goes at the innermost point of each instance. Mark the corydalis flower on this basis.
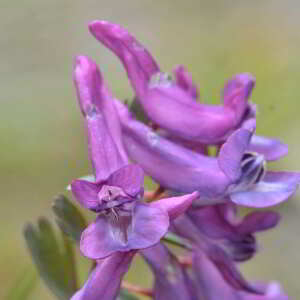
(170, 104)
(235, 173)
(124, 223)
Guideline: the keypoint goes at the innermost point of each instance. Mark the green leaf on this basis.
(138, 111)
(68, 217)
(125, 295)
(51, 260)
(23, 287)
(176, 240)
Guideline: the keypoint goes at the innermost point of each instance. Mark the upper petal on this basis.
(137, 61)
(272, 149)
(130, 178)
(106, 150)
(275, 188)
(231, 153)
(236, 93)
(185, 81)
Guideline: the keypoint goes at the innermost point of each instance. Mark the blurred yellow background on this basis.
(42, 140)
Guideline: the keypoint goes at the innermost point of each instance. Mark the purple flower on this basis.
(171, 279)
(212, 286)
(236, 173)
(170, 104)
(124, 223)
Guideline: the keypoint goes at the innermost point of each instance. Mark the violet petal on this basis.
(104, 236)
(86, 193)
(104, 133)
(137, 61)
(275, 188)
(272, 149)
(130, 178)
(105, 280)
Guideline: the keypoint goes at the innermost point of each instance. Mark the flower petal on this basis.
(272, 149)
(176, 206)
(258, 221)
(275, 188)
(105, 280)
(103, 127)
(86, 193)
(185, 81)
(236, 93)
(231, 153)
(211, 283)
(130, 178)
(104, 237)
(171, 279)
(137, 61)
(180, 169)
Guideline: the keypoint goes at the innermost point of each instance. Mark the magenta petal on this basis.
(272, 149)
(104, 236)
(275, 188)
(105, 280)
(176, 206)
(137, 61)
(130, 178)
(185, 81)
(86, 193)
(232, 151)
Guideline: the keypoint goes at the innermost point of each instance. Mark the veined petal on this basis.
(137, 61)
(105, 280)
(272, 149)
(86, 193)
(104, 132)
(275, 188)
(130, 178)
(104, 236)
(185, 81)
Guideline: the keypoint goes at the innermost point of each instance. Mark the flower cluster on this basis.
(198, 194)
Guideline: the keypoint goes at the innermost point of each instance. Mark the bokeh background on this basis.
(42, 140)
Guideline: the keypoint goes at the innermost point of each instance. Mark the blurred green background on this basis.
(42, 140)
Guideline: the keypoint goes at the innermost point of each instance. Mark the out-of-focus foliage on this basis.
(55, 263)
(22, 288)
